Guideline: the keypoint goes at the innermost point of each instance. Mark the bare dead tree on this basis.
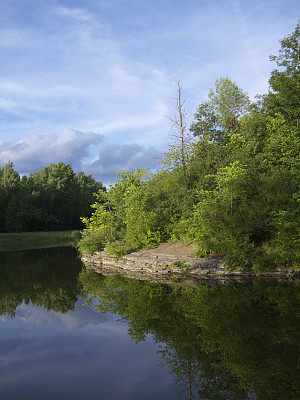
(178, 129)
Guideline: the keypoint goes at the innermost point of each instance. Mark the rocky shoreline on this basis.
(170, 268)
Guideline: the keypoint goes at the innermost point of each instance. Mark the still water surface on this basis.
(68, 333)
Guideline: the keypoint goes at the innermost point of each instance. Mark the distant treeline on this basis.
(54, 198)
(233, 189)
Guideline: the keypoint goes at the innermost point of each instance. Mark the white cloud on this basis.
(132, 122)
(76, 13)
(37, 151)
(126, 157)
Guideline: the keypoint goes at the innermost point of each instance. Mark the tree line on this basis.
(53, 198)
(233, 189)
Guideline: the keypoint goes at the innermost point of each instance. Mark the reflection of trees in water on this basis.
(45, 277)
(228, 342)
(202, 375)
(184, 367)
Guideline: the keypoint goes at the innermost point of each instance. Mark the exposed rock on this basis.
(171, 262)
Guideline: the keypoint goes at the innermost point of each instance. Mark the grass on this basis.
(36, 240)
(178, 264)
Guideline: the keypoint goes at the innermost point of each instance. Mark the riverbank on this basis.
(174, 261)
(36, 240)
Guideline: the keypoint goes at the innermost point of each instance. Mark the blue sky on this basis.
(90, 82)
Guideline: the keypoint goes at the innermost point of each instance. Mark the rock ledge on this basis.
(157, 266)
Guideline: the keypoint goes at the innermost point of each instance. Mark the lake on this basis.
(70, 333)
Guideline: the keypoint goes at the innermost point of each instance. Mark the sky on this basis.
(91, 82)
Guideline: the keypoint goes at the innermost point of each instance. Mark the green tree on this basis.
(220, 221)
(285, 82)
(282, 159)
(9, 188)
(123, 212)
(86, 187)
(216, 118)
(101, 228)
(57, 195)
(142, 225)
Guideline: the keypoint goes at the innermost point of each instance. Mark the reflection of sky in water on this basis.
(82, 354)
(80, 317)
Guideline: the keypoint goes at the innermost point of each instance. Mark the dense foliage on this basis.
(54, 198)
(237, 194)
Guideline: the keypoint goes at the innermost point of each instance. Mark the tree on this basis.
(220, 220)
(282, 160)
(123, 212)
(9, 187)
(179, 150)
(216, 118)
(57, 195)
(285, 82)
(86, 188)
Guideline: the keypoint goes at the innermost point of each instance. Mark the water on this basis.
(68, 333)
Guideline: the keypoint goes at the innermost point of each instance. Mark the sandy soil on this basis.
(173, 248)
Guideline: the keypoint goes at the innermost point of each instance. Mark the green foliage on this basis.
(123, 212)
(142, 226)
(100, 228)
(116, 250)
(282, 146)
(179, 264)
(285, 81)
(286, 240)
(220, 115)
(9, 189)
(218, 220)
(91, 241)
(53, 198)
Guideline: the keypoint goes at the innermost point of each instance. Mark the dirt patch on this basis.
(172, 248)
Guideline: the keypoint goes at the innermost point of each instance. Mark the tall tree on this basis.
(284, 96)
(179, 135)
(216, 118)
(9, 187)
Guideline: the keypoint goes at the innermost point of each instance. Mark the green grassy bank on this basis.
(36, 240)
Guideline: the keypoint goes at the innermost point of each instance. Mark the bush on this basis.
(91, 241)
(116, 250)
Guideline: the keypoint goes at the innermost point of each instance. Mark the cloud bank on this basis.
(126, 157)
(88, 152)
